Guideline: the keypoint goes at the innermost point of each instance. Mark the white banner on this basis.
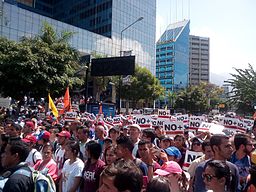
(173, 127)
(70, 116)
(189, 157)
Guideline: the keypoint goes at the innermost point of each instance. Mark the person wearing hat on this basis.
(135, 131)
(62, 138)
(177, 178)
(196, 144)
(42, 139)
(165, 141)
(173, 153)
(113, 133)
(28, 128)
(34, 156)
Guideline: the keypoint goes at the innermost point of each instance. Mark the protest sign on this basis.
(189, 158)
(70, 116)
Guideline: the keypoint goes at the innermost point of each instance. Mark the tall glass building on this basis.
(97, 24)
(172, 57)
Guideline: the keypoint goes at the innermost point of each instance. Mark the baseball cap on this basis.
(168, 168)
(135, 125)
(29, 139)
(114, 128)
(30, 124)
(64, 134)
(173, 151)
(44, 135)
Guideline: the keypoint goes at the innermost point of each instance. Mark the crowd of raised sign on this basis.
(132, 153)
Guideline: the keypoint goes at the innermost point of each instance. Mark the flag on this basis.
(67, 102)
(53, 107)
(165, 107)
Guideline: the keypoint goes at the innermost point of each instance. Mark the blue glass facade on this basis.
(172, 57)
(25, 18)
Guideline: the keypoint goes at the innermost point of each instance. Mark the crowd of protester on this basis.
(89, 156)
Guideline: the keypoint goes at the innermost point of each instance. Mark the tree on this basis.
(198, 98)
(144, 87)
(243, 93)
(37, 65)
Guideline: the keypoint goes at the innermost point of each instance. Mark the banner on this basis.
(162, 113)
(70, 116)
(173, 127)
(144, 121)
(189, 158)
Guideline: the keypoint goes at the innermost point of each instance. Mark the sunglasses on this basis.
(207, 177)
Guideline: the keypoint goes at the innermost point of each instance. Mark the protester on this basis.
(47, 164)
(124, 150)
(110, 155)
(241, 158)
(217, 176)
(13, 159)
(123, 175)
(34, 155)
(177, 179)
(179, 141)
(72, 169)
(93, 167)
(158, 184)
(222, 149)
(135, 131)
(114, 133)
(63, 138)
(83, 137)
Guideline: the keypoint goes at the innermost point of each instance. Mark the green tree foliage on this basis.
(243, 93)
(144, 87)
(199, 98)
(37, 65)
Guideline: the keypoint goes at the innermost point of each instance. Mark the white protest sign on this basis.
(70, 116)
(189, 157)
(75, 107)
(60, 106)
(164, 113)
(249, 123)
(197, 118)
(117, 120)
(241, 126)
(143, 120)
(159, 122)
(194, 124)
(173, 127)
(184, 118)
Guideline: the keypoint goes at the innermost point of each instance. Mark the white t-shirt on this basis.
(59, 159)
(69, 172)
(33, 157)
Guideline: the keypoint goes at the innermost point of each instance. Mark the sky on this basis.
(230, 25)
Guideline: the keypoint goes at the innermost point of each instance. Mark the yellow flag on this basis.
(165, 107)
(53, 107)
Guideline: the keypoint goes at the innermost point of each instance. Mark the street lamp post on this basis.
(121, 54)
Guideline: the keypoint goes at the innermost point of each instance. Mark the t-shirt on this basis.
(91, 176)
(69, 172)
(199, 185)
(59, 159)
(33, 157)
(243, 166)
(50, 165)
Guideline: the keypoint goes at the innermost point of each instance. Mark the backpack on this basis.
(42, 181)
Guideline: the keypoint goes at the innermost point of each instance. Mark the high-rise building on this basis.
(172, 57)
(199, 67)
(97, 24)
